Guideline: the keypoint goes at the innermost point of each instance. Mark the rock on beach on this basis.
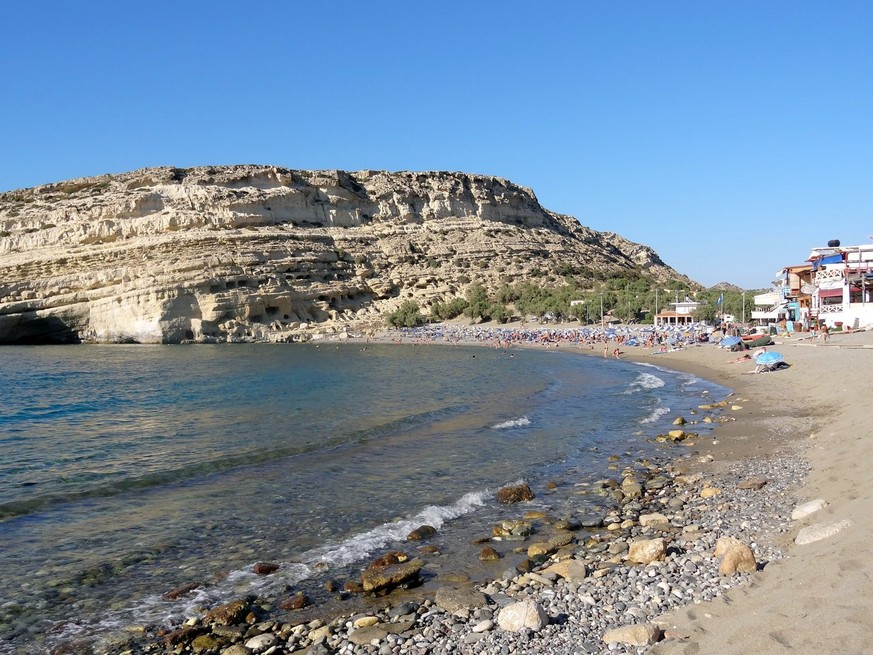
(736, 557)
(821, 531)
(808, 508)
(646, 551)
(514, 494)
(526, 614)
(377, 579)
(643, 634)
(454, 600)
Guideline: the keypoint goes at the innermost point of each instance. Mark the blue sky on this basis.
(730, 137)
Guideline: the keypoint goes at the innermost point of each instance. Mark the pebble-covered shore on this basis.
(586, 583)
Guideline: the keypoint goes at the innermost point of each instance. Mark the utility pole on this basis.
(602, 323)
(627, 297)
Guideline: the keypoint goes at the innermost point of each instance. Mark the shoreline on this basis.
(688, 628)
(814, 412)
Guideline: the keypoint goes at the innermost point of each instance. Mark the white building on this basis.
(682, 314)
(770, 307)
(842, 285)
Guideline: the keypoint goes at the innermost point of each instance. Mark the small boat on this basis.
(754, 340)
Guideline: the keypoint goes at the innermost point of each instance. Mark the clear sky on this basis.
(731, 137)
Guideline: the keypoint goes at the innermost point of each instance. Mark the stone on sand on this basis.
(642, 634)
(805, 509)
(820, 531)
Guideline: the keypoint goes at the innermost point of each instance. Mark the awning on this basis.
(830, 259)
(830, 293)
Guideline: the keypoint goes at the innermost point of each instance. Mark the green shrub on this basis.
(407, 315)
(441, 311)
(499, 313)
(477, 302)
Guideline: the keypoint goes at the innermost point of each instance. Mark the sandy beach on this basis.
(816, 599)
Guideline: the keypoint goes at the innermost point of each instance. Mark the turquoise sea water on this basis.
(127, 471)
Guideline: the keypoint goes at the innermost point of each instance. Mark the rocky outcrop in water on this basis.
(246, 253)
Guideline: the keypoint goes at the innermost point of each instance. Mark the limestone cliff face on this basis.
(230, 253)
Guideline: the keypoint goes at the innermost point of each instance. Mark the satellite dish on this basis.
(807, 289)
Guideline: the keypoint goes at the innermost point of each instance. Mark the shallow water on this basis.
(127, 471)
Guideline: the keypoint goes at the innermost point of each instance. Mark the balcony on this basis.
(830, 309)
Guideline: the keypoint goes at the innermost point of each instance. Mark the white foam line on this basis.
(513, 423)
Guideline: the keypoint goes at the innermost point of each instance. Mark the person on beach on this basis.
(823, 332)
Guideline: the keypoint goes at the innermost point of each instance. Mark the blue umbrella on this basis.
(729, 341)
(768, 358)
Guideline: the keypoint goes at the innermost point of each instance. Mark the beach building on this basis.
(681, 314)
(790, 300)
(769, 308)
(835, 285)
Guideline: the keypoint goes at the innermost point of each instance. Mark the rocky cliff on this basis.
(165, 255)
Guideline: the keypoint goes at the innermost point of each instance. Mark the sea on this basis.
(128, 471)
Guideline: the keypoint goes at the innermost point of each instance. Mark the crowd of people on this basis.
(650, 337)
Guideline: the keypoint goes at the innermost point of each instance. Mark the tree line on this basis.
(629, 300)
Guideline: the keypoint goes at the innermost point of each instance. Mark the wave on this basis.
(644, 382)
(656, 413)
(522, 422)
(360, 546)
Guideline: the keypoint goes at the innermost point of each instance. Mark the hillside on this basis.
(242, 253)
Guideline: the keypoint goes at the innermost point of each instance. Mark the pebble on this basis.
(262, 642)
(578, 611)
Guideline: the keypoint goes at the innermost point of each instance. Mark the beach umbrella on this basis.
(768, 358)
(727, 342)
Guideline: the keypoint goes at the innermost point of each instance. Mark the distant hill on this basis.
(726, 286)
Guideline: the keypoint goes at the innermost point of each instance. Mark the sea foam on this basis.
(656, 413)
(362, 545)
(513, 423)
(645, 381)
